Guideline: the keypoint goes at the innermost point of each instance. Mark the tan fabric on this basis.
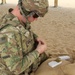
(69, 69)
(45, 69)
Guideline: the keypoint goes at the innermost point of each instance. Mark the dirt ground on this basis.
(57, 28)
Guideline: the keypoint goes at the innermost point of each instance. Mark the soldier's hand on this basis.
(41, 47)
(40, 40)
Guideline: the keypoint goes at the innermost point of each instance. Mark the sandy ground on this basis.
(57, 28)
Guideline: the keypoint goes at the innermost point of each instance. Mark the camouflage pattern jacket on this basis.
(16, 44)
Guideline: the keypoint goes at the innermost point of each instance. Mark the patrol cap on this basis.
(41, 6)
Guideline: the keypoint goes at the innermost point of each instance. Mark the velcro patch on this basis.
(3, 40)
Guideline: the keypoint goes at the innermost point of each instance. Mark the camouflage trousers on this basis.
(5, 71)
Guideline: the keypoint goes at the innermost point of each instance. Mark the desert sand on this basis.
(57, 28)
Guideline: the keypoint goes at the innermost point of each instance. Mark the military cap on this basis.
(41, 6)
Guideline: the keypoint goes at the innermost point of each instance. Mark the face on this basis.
(32, 16)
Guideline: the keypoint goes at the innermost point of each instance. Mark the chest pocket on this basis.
(3, 40)
(27, 40)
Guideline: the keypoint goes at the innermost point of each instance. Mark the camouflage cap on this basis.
(40, 6)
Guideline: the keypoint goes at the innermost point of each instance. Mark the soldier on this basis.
(21, 51)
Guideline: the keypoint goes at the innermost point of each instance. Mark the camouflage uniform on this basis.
(17, 44)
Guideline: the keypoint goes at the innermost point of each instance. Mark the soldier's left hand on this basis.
(40, 40)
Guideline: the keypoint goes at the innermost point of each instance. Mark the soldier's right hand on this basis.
(41, 47)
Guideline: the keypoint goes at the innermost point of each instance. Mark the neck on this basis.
(16, 12)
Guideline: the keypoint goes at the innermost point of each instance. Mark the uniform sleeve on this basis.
(35, 36)
(11, 53)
